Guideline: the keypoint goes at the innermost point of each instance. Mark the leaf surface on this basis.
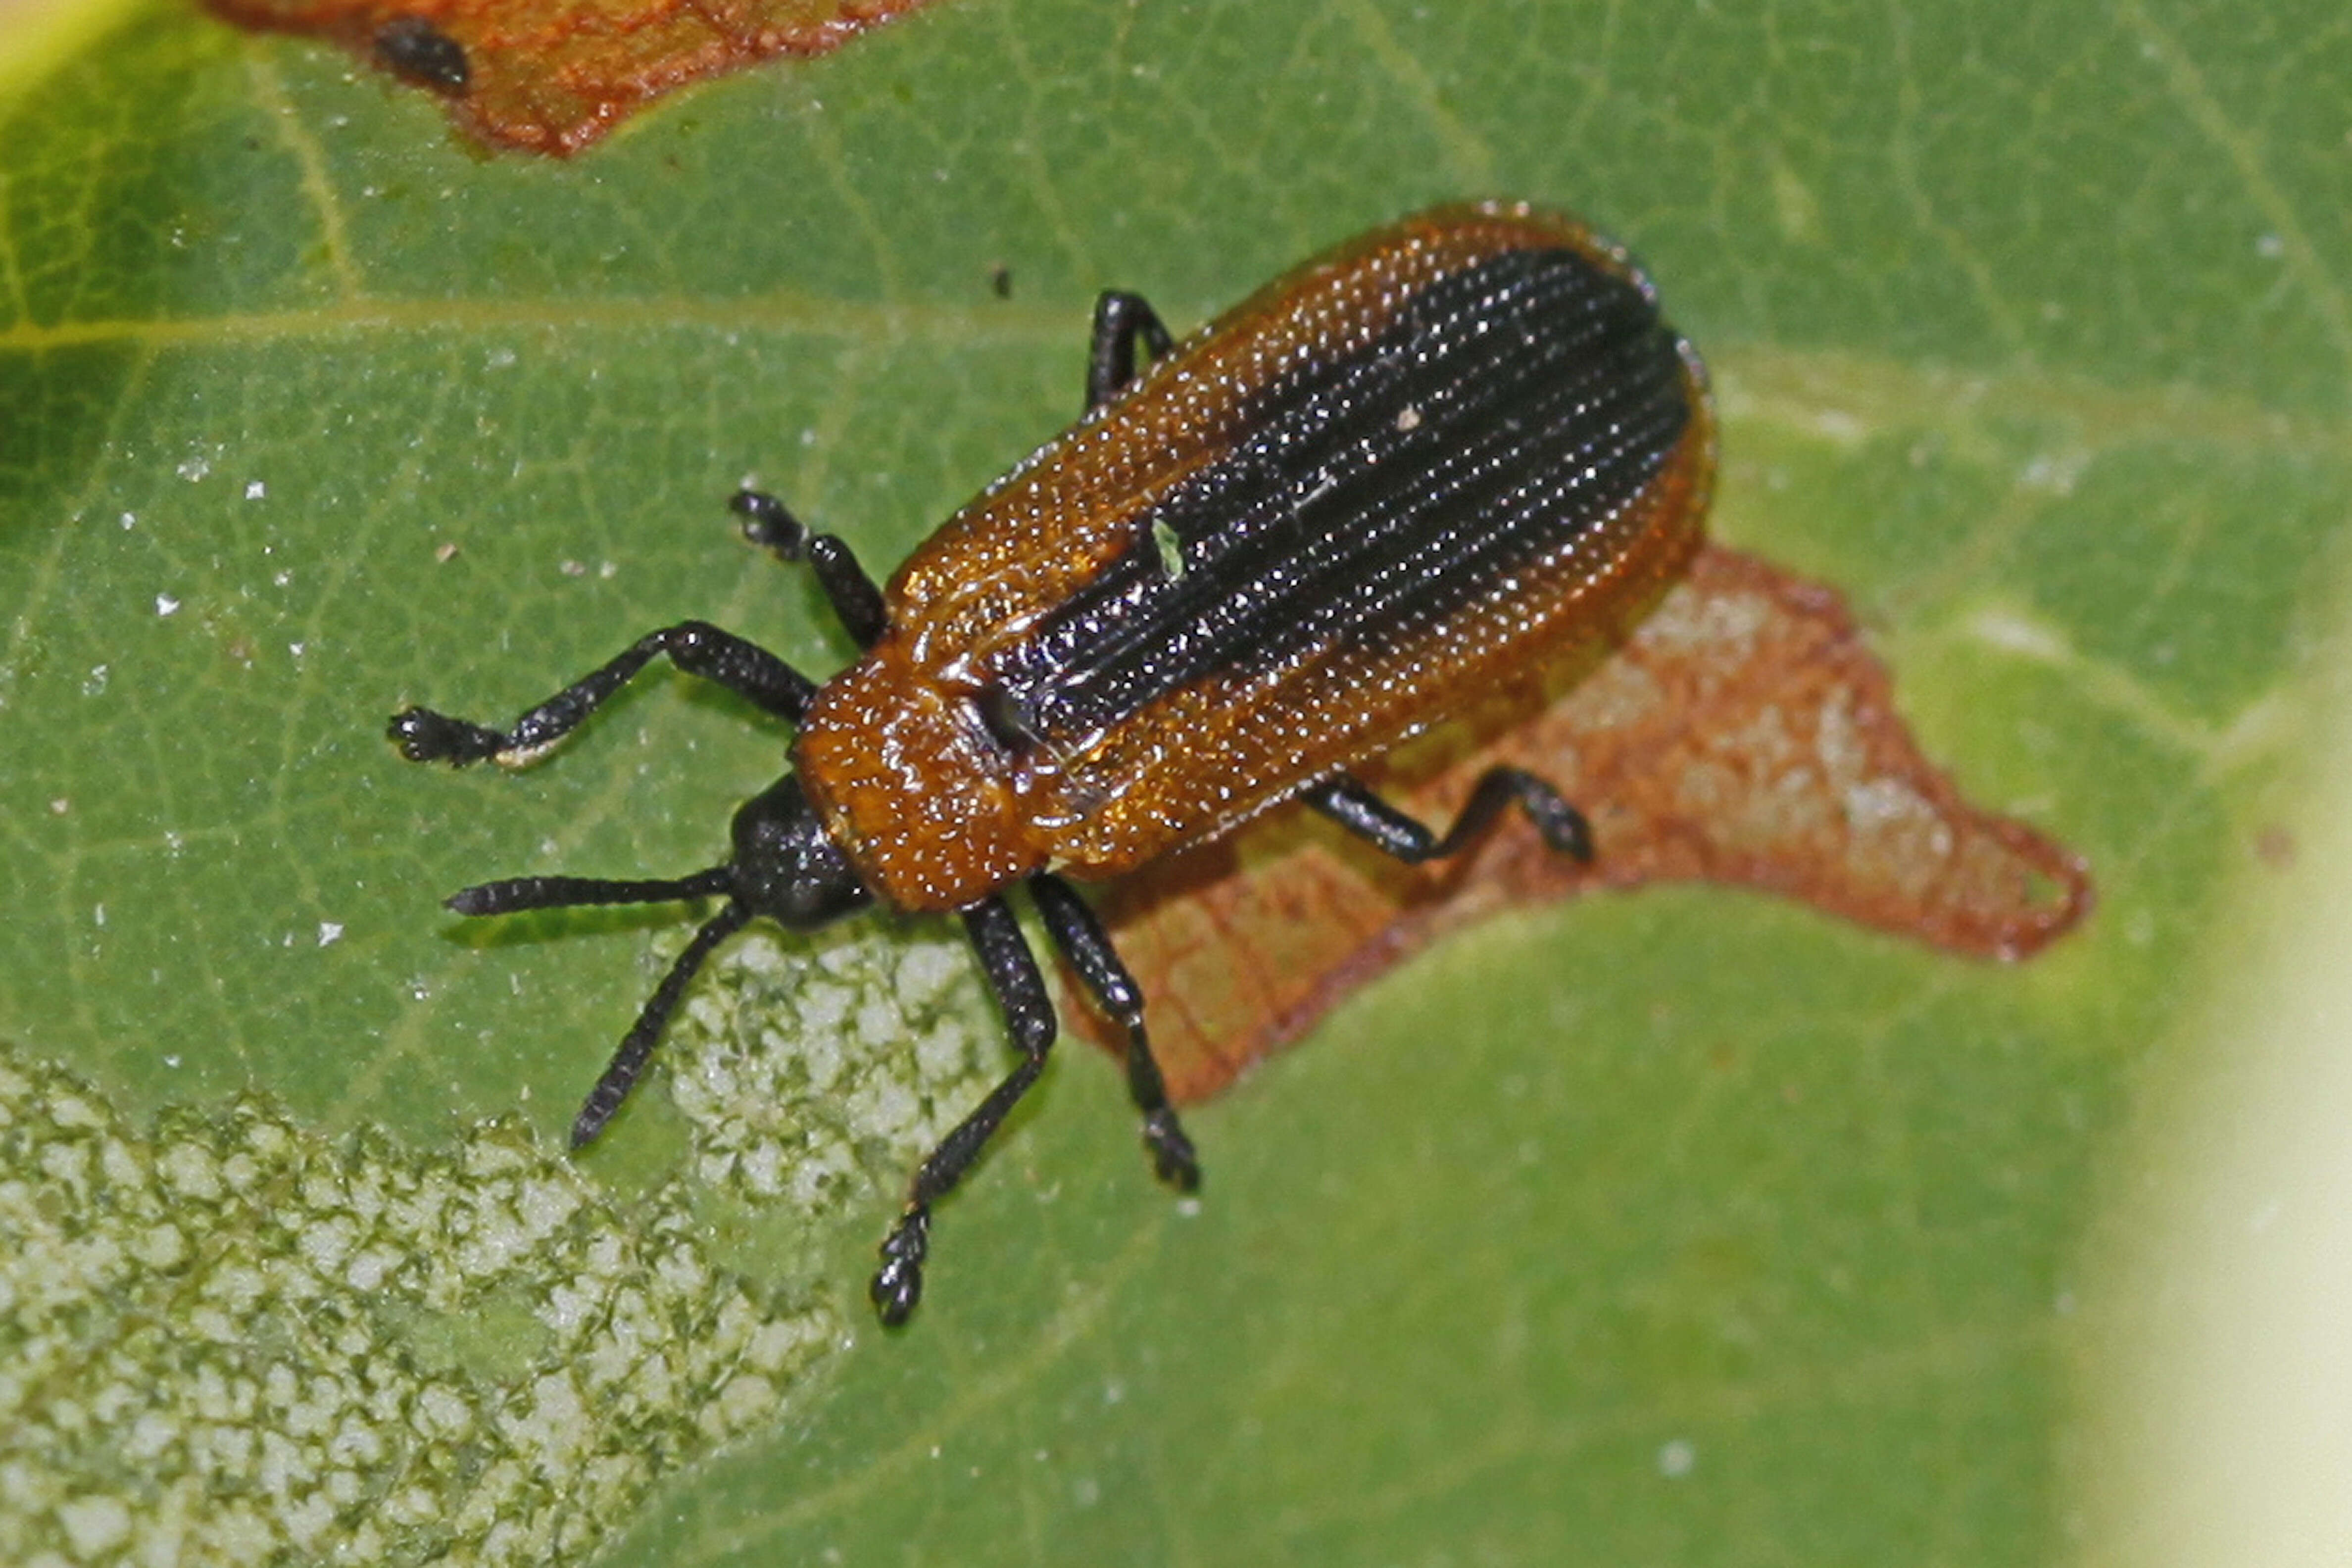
(1681, 1225)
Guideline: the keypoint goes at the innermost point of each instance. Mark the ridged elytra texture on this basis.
(1458, 445)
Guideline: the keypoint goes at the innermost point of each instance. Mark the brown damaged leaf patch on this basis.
(1743, 734)
(554, 76)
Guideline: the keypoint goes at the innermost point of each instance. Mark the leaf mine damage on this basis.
(231, 1337)
(1743, 735)
(555, 76)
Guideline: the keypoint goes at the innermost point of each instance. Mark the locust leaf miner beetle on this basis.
(1447, 450)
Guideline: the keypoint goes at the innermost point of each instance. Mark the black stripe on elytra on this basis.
(1511, 407)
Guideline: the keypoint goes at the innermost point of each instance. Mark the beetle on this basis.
(1459, 444)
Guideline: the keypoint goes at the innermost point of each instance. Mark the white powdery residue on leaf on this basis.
(320, 1351)
(815, 1070)
(94, 1525)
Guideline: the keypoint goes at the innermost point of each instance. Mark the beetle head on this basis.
(787, 866)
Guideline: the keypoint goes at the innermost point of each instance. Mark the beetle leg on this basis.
(1012, 974)
(1121, 318)
(696, 647)
(1079, 933)
(1345, 800)
(851, 593)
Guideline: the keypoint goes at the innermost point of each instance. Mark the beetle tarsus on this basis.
(425, 736)
(768, 523)
(899, 1283)
(1171, 1151)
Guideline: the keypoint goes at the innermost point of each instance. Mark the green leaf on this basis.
(1675, 1225)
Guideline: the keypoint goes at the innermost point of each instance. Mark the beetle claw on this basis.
(1171, 1151)
(899, 1283)
(425, 736)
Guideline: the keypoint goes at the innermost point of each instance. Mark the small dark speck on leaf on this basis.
(414, 50)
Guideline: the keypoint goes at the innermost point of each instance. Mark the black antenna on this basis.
(628, 1063)
(637, 1044)
(519, 893)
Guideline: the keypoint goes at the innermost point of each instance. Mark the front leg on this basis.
(696, 647)
(856, 601)
(1012, 975)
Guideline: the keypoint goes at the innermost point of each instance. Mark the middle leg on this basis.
(1346, 800)
(1120, 319)
(1078, 931)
